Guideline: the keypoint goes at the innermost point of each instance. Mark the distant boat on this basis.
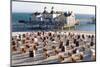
(21, 21)
(93, 19)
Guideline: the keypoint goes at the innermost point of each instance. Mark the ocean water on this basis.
(18, 27)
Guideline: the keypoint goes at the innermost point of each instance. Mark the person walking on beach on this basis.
(14, 48)
(31, 54)
(77, 43)
(35, 39)
(63, 49)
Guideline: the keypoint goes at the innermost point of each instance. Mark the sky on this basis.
(29, 7)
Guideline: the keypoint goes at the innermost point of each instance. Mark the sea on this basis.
(19, 27)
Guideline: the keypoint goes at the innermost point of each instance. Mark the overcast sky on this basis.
(33, 7)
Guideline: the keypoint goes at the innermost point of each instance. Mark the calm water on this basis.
(25, 16)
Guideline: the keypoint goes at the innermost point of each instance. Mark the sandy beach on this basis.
(55, 44)
(75, 32)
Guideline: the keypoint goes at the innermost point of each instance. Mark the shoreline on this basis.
(72, 31)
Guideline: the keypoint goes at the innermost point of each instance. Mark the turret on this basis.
(52, 10)
(44, 12)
